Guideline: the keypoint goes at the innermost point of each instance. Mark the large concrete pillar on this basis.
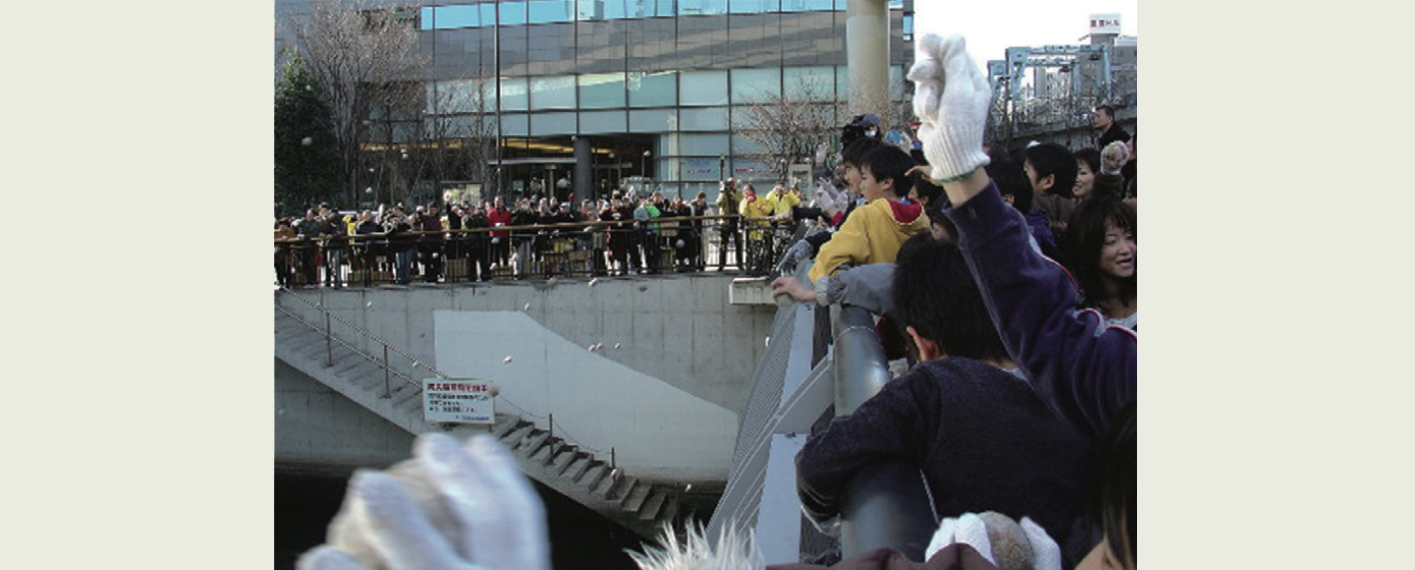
(584, 174)
(867, 55)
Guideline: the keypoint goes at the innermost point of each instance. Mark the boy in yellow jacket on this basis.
(874, 232)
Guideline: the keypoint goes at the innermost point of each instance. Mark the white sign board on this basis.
(1105, 23)
(457, 401)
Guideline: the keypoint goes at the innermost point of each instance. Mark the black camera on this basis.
(859, 127)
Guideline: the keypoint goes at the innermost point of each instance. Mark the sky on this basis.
(993, 26)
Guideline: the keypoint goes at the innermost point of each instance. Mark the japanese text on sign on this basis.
(458, 401)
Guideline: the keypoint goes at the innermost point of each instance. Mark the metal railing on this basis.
(582, 249)
(886, 504)
(405, 368)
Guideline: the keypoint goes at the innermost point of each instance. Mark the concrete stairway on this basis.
(640, 506)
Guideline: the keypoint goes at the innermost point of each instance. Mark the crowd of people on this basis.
(630, 232)
(1012, 278)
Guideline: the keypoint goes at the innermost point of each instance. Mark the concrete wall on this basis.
(680, 330)
(320, 432)
(667, 399)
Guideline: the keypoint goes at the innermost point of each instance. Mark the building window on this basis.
(754, 6)
(701, 7)
(807, 5)
(550, 11)
(653, 89)
(557, 92)
(704, 88)
(706, 119)
(601, 91)
(513, 94)
(809, 83)
(602, 122)
(755, 85)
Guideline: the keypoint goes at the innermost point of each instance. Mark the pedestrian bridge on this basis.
(622, 393)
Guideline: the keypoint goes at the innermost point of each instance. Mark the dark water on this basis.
(579, 538)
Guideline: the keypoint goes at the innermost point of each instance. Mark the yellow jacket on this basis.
(759, 208)
(784, 203)
(871, 234)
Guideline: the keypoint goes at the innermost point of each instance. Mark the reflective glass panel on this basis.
(602, 122)
(548, 11)
(807, 5)
(653, 121)
(754, 6)
(755, 85)
(513, 94)
(702, 144)
(704, 88)
(556, 92)
(653, 89)
(512, 13)
(601, 90)
(702, 7)
(514, 125)
(553, 124)
(809, 83)
(708, 119)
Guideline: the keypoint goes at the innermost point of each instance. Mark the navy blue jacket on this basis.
(983, 438)
(1080, 366)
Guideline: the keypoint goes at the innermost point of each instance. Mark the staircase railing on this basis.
(406, 373)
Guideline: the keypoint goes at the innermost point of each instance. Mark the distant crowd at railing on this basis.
(626, 234)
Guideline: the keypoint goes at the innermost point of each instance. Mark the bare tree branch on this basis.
(363, 55)
(788, 127)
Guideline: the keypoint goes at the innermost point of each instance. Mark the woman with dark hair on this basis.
(1113, 497)
(1088, 165)
(1100, 252)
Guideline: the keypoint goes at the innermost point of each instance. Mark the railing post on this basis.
(612, 466)
(387, 393)
(552, 425)
(328, 343)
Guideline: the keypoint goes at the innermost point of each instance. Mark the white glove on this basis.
(951, 98)
(1114, 156)
(1016, 543)
(824, 201)
(450, 508)
(828, 198)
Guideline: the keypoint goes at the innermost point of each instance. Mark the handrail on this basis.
(579, 249)
(583, 225)
(887, 503)
(416, 364)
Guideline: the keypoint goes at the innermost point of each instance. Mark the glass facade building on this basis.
(620, 89)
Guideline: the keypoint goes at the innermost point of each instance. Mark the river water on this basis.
(579, 537)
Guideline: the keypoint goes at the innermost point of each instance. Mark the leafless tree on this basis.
(463, 119)
(365, 56)
(789, 125)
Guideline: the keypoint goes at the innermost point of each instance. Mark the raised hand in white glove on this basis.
(951, 98)
(999, 539)
(1114, 156)
(450, 508)
(828, 199)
